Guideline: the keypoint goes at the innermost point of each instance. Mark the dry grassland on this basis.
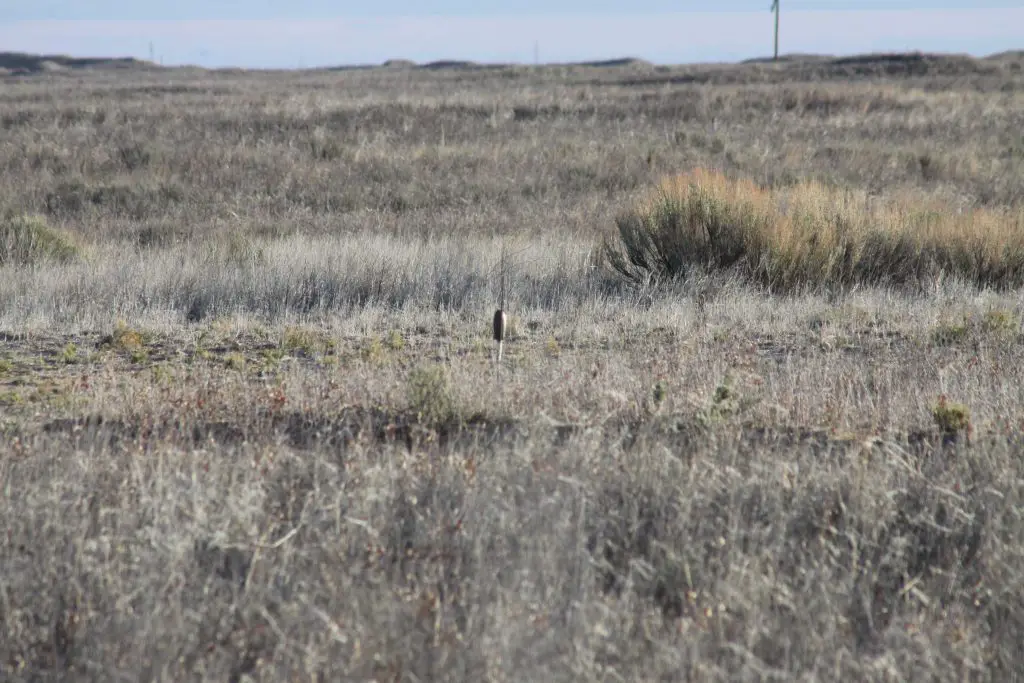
(252, 430)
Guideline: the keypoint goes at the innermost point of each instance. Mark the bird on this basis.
(499, 330)
(500, 322)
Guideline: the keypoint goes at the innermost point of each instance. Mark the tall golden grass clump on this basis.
(810, 236)
(28, 239)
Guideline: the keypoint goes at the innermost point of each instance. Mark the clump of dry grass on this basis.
(29, 239)
(810, 235)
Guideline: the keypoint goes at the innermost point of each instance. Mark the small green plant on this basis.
(296, 338)
(725, 403)
(70, 354)
(30, 239)
(309, 342)
(234, 361)
(952, 419)
(5, 366)
(160, 374)
(11, 397)
(552, 348)
(271, 357)
(430, 394)
(395, 342)
(1000, 322)
(374, 351)
(139, 355)
(950, 333)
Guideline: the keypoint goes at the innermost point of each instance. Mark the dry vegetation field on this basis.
(758, 425)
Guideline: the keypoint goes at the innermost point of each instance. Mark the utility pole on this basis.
(775, 8)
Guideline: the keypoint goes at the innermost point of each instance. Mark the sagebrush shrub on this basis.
(30, 239)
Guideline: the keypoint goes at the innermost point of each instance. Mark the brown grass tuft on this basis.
(30, 239)
(809, 235)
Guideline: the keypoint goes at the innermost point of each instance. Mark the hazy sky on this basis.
(260, 33)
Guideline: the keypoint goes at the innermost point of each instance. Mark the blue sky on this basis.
(262, 33)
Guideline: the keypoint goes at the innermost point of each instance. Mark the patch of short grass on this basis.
(810, 236)
(1000, 322)
(373, 351)
(948, 333)
(305, 340)
(395, 341)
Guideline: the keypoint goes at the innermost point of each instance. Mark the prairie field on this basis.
(759, 417)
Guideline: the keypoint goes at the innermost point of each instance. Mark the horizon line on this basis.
(457, 62)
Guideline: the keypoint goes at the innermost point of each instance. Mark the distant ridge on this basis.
(889, 64)
(618, 62)
(893, 62)
(790, 58)
(813, 66)
(450, 64)
(20, 63)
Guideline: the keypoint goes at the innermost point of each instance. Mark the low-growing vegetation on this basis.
(952, 419)
(758, 415)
